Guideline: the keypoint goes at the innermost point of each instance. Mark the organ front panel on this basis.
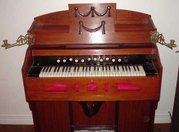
(92, 68)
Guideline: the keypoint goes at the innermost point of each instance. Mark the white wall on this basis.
(17, 16)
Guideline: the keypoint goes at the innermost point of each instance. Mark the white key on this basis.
(75, 71)
(137, 70)
(42, 72)
(89, 71)
(114, 70)
(104, 71)
(142, 72)
(60, 71)
(127, 71)
(132, 71)
(65, 71)
(99, 73)
(71, 71)
(46, 72)
(119, 71)
(123, 71)
(68, 71)
(80, 71)
(51, 72)
(112, 73)
(56, 72)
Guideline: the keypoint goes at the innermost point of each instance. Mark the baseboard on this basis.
(27, 119)
(16, 119)
(162, 118)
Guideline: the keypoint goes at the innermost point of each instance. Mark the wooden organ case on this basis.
(92, 68)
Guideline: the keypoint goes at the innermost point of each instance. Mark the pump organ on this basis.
(92, 67)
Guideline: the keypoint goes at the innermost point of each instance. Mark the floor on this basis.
(162, 128)
(29, 128)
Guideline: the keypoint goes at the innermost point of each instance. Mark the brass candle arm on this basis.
(21, 40)
(157, 37)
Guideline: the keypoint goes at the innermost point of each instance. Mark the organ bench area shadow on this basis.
(92, 68)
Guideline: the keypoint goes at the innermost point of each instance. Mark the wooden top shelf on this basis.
(78, 26)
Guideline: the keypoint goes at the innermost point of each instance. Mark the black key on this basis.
(126, 68)
(63, 69)
(46, 69)
(123, 68)
(108, 68)
(69, 69)
(97, 68)
(66, 68)
(118, 67)
(77, 68)
(135, 68)
(55, 69)
(58, 68)
(114, 68)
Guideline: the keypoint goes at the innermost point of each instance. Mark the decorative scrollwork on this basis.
(81, 25)
(157, 37)
(93, 12)
(21, 40)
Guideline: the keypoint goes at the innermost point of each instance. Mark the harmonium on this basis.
(92, 68)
